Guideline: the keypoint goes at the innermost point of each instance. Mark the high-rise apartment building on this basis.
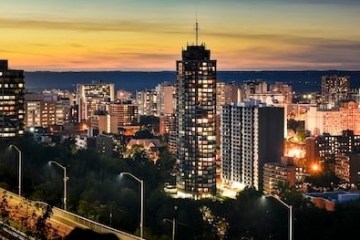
(324, 148)
(334, 88)
(11, 101)
(195, 121)
(226, 93)
(146, 102)
(165, 99)
(252, 87)
(39, 111)
(333, 121)
(91, 96)
(252, 134)
(114, 116)
(122, 114)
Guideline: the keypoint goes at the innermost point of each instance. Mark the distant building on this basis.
(165, 99)
(196, 122)
(91, 96)
(252, 87)
(146, 102)
(252, 134)
(345, 117)
(122, 114)
(100, 123)
(297, 111)
(226, 93)
(334, 89)
(284, 89)
(325, 147)
(12, 111)
(167, 123)
(124, 96)
(39, 111)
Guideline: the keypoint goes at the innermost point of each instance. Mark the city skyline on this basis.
(149, 35)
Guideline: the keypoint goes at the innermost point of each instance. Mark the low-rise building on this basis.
(274, 173)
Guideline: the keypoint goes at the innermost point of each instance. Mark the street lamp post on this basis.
(142, 201)
(174, 224)
(173, 227)
(20, 165)
(65, 179)
(290, 207)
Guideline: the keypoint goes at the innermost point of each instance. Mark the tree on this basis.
(4, 209)
(151, 122)
(144, 134)
(42, 228)
(167, 166)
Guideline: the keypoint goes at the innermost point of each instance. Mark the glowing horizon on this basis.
(149, 35)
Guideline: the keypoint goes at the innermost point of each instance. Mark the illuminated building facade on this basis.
(252, 87)
(334, 89)
(274, 173)
(122, 114)
(347, 167)
(39, 112)
(345, 117)
(165, 99)
(91, 96)
(326, 147)
(146, 102)
(167, 124)
(100, 123)
(195, 122)
(252, 134)
(11, 101)
(226, 93)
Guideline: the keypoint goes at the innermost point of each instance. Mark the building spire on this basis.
(196, 27)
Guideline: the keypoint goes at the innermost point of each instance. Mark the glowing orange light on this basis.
(295, 152)
(315, 167)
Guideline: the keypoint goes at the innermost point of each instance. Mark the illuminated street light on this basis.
(290, 207)
(20, 165)
(65, 179)
(142, 201)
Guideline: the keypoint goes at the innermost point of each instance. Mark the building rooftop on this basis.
(336, 196)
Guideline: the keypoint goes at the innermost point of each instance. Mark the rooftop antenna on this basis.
(197, 27)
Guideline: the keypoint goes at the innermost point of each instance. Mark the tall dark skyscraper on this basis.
(11, 101)
(195, 122)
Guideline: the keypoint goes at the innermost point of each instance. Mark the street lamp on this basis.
(65, 179)
(142, 201)
(20, 165)
(290, 207)
(173, 224)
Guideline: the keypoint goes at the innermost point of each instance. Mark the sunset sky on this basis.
(150, 34)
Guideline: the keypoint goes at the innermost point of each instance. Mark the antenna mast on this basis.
(197, 28)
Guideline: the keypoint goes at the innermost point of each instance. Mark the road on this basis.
(24, 214)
